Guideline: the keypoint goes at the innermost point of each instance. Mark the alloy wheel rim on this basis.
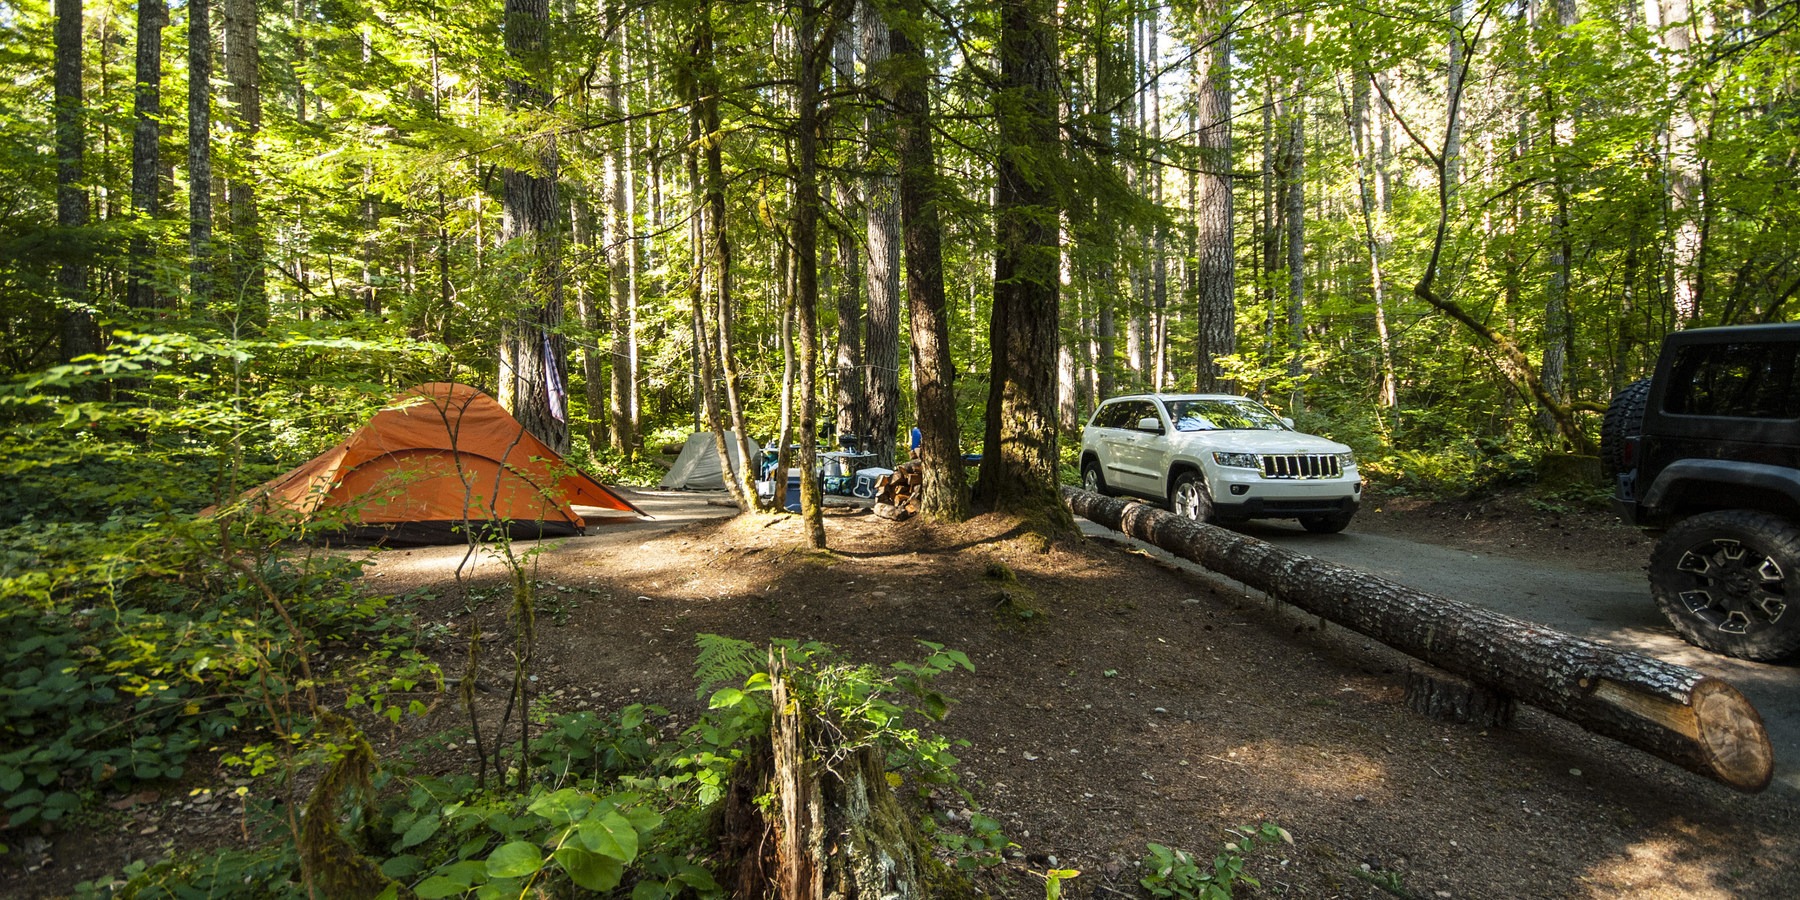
(1187, 500)
(1732, 587)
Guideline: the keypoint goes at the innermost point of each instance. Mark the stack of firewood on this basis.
(897, 494)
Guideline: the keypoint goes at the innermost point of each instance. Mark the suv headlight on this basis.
(1346, 460)
(1236, 460)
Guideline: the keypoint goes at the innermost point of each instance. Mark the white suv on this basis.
(1219, 457)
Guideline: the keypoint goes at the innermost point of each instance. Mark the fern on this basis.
(725, 660)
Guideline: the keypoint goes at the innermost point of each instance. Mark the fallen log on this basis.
(1673, 712)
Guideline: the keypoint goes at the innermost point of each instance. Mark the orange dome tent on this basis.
(439, 457)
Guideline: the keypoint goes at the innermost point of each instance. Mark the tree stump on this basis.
(835, 830)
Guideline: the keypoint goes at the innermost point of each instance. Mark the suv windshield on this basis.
(1216, 415)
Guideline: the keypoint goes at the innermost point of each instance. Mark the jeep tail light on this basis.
(1628, 454)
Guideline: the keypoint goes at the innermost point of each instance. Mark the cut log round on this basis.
(1681, 715)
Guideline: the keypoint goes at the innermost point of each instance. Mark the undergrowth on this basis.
(623, 802)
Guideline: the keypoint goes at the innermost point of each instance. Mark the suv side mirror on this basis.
(1150, 423)
(1288, 421)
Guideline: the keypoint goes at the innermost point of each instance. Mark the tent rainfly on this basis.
(442, 461)
(698, 469)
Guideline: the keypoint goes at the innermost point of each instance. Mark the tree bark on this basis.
(593, 326)
(1685, 717)
(881, 349)
(1019, 458)
(838, 831)
(146, 161)
(1215, 254)
(199, 155)
(852, 398)
(1367, 188)
(79, 337)
(944, 494)
(246, 293)
(814, 36)
(621, 258)
(714, 356)
(533, 378)
(1294, 214)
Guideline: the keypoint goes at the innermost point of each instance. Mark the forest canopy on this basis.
(1442, 232)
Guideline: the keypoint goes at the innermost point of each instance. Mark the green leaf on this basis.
(651, 890)
(438, 886)
(420, 832)
(515, 859)
(590, 870)
(562, 807)
(403, 866)
(725, 698)
(610, 835)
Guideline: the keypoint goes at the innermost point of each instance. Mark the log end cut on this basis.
(1731, 734)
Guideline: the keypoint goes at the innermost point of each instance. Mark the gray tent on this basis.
(698, 469)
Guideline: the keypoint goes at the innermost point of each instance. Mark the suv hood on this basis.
(1248, 441)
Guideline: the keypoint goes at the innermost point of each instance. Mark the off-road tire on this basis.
(1624, 421)
(1092, 479)
(1331, 524)
(1189, 498)
(1729, 581)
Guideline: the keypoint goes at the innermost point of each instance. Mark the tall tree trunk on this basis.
(79, 337)
(720, 360)
(1159, 261)
(245, 289)
(593, 326)
(812, 50)
(146, 161)
(1556, 297)
(1019, 456)
(881, 350)
(1675, 27)
(199, 155)
(533, 379)
(1366, 187)
(1215, 256)
(1294, 207)
(620, 255)
(1271, 212)
(852, 397)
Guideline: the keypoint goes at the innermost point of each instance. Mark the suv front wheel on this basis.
(1724, 580)
(1190, 499)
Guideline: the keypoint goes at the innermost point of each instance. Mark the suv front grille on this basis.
(1301, 465)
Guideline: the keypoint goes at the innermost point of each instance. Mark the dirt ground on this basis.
(1137, 704)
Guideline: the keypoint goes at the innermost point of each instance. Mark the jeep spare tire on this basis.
(1624, 421)
(1729, 581)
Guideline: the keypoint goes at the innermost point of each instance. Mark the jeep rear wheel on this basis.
(1725, 579)
(1190, 499)
(1624, 421)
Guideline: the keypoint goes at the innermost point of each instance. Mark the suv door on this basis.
(1131, 455)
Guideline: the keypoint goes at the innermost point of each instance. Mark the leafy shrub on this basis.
(128, 645)
(1173, 873)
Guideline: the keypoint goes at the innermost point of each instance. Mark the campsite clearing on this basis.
(1114, 703)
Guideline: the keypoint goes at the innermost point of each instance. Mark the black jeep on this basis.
(1707, 453)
